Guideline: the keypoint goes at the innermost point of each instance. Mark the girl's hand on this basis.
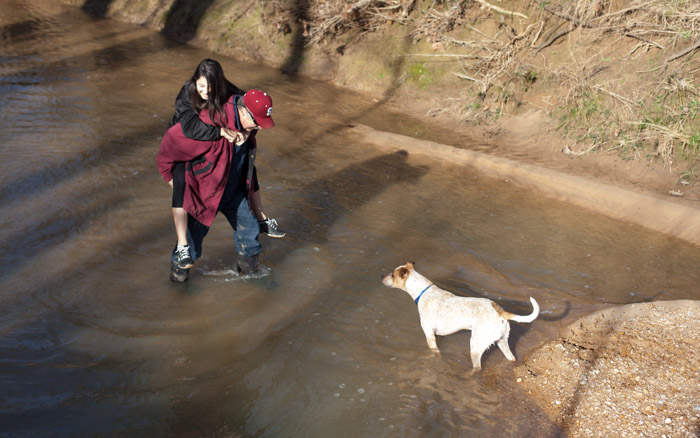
(231, 135)
(171, 183)
(228, 134)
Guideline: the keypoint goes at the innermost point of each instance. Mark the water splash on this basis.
(234, 275)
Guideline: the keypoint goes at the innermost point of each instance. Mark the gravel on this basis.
(628, 371)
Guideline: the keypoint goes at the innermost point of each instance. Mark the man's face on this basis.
(248, 123)
(202, 87)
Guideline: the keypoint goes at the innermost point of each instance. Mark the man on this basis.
(221, 177)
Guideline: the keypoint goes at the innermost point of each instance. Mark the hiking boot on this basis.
(248, 265)
(183, 259)
(178, 275)
(269, 227)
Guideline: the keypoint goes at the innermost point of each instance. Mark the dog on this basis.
(443, 313)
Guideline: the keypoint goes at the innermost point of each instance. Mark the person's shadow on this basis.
(326, 200)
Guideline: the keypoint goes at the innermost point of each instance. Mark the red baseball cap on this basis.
(259, 104)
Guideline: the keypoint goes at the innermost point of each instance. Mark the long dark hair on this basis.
(220, 89)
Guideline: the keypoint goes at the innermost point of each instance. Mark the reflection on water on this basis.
(96, 340)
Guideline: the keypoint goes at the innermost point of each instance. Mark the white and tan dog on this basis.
(442, 313)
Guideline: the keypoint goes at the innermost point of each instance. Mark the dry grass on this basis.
(509, 53)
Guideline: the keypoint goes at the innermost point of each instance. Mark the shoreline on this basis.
(653, 213)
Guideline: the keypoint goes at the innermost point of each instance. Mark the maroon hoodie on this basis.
(207, 176)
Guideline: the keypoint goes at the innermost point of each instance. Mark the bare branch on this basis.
(683, 52)
(501, 10)
(554, 38)
(657, 45)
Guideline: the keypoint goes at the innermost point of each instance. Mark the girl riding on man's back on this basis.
(202, 112)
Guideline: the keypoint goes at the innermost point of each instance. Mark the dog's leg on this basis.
(479, 342)
(432, 342)
(503, 344)
(476, 349)
(476, 359)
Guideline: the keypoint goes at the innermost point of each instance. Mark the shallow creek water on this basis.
(96, 341)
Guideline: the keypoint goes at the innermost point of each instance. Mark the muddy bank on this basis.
(382, 65)
(625, 371)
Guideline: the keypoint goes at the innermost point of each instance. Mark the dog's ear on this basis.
(410, 265)
(403, 273)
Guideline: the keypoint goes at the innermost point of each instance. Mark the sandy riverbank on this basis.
(632, 370)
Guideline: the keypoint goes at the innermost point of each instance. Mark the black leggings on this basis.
(178, 184)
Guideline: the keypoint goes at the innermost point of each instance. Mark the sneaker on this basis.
(269, 227)
(183, 260)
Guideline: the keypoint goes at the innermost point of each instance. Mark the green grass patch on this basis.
(418, 73)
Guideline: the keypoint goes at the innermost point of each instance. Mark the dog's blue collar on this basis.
(421, 294)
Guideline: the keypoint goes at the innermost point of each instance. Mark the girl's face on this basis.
(202, 87)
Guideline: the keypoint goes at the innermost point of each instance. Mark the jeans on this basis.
(245, 229)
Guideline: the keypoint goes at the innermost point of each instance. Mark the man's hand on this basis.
(171, 183)
(231, 135)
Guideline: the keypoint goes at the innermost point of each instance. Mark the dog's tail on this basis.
(517, 318)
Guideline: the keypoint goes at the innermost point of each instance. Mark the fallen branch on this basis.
(629, 103)
(460, 43)
(554, 38)
(683, 52)
(501, 10)
(567, 150)
(606, 17)
(463, 76)
(437, 55)
(482, 33)
(659, 46)
(359, 5)
(570, 18)
(537, 35)
(521, 36)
